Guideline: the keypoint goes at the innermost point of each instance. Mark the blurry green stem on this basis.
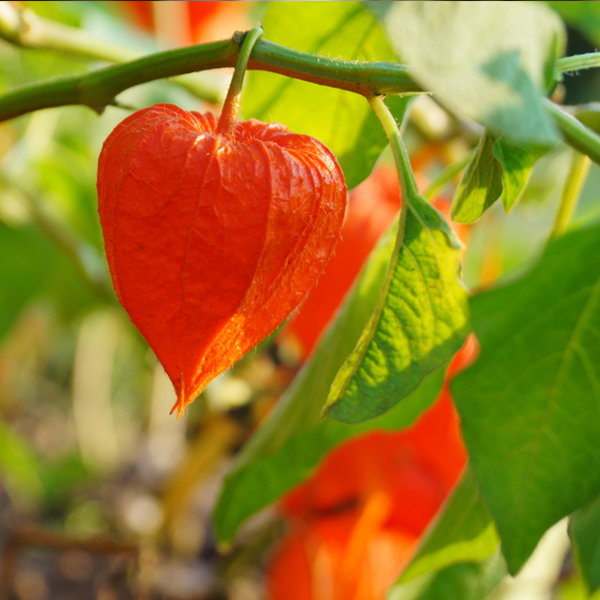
(578, 170)
(22, 27)
(575, 133)
(446, 175)
(578, 62)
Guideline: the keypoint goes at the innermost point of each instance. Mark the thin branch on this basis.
(577, 63)
(576, 134)
(97, 89)
(571, 191)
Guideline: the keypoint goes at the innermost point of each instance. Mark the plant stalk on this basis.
(98, 89)
(576, 134)
(577, 63)
(571, 191)
(228, 118)
(408, 183)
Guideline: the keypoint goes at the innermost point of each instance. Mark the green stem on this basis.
(99, 88)
(408, 183)
(576, 135)
(576, 177)
(228, 118)
(446, 175)
(22, 27)
(576, 63)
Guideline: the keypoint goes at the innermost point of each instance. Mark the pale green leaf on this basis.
(530, 405)
(480, 185)
(420, 322)
(489, 61)
(463, 581)
(496, 170)
(517, 163)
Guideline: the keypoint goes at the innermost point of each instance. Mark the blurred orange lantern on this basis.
(190, 22)
(356, 522)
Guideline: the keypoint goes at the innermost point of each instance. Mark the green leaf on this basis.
(584, 529)
(342, 120)
(497, 169)
(463, 532)
(517, 163)
(490, 61)
(464, 581)
(420, 321)
(529, 406)
(290, 443)
(480, 185)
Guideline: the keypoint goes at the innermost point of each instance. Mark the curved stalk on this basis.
(99, 88)
(228, 118)
(569, 196)
(576, 134)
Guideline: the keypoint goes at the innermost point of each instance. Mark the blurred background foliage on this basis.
(100, 485)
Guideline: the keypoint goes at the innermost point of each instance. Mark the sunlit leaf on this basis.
(420, 322)
(497, 169)
(463, 581)
(529, 405)
(480, 185)
(490, 61)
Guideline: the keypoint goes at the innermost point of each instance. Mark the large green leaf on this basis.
(343, 121)
(497, 169)
(291, 442)
(585, 532)
(490, 61)
(420, 322)
(463, 581)
(530, 406)
(463, 532)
